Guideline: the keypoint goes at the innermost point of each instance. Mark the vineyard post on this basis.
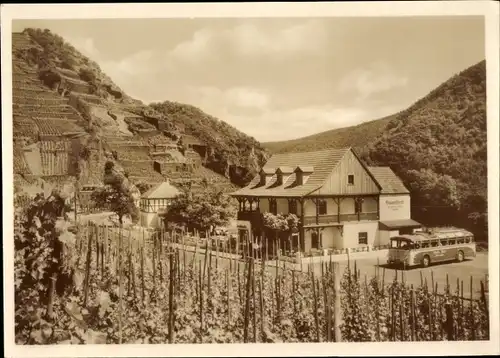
(261, 286)
(87, 266)
(412, 314)
(143, 285)
(485, 305)
(50, 304)
(97, 251)
(293, 295)
(336, 307)
(216, 253)
(153, 262)
(472, 323)
(315, 298)
(447, 290)
(171, 299)
(247, 300)
(120, 279)
(461, 312)
(240, 295)
(209, 283)
(200, 280)
(401, 315)
(184, 256)
(449, 322)
(254, 307)
(432, 314)
(206, 257)
(228, 289)
(393, 316)
(441, 330)
(103, 251)
(160, 252)
(326, 303)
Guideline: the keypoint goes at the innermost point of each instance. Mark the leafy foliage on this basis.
(201, 209)
(116, 194)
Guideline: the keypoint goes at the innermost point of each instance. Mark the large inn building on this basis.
(341, 202)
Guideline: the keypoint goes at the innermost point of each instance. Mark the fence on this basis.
(171, 295)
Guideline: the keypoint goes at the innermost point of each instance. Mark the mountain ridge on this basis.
(53, 79)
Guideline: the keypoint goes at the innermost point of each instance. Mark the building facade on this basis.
(154, 204)
(340, 202)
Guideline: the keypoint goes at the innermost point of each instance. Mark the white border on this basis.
(489, 9)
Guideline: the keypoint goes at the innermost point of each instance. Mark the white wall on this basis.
(394, 207)
(330, 236)
(351, 231)
(149, 220)
(384, 236)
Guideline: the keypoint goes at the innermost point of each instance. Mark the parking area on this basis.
(463, 271)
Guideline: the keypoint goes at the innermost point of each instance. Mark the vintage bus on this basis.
(428, 247)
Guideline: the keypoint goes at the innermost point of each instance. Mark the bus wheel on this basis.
(460, 256)
(426, 261)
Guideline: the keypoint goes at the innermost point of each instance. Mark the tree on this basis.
(117, 194)
(201, 210)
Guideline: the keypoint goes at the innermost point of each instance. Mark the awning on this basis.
(399, 224)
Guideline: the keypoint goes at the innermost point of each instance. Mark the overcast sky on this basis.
(279, 79)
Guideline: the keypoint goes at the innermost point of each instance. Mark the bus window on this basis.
(403, 244)
(460, 240)
(467, 240)
(425, 245)
(434, 243)
(443, 242)
(451, 242)
(416, 245)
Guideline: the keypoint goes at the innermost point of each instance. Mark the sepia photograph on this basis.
(227, 176)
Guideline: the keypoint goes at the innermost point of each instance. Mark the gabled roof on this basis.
(323, 162)
(388, 180)
(163, 190)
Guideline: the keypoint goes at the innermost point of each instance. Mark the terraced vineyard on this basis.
(50, 115)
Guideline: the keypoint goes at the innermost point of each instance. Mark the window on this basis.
(460, 241)
(314, 240)
(434, 243)
(363, 238)
(451, 242)
(273, 207)
(443, 242)
(292, 207)
(358, 205)
(321, 207)
(425, 245)
(394, 244)
(350, 179)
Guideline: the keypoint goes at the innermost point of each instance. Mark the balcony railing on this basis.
(332, 219)
(255, 217)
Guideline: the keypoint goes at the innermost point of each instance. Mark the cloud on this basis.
(129, 72)
(248, 39)
(371, 80)
(251, 110)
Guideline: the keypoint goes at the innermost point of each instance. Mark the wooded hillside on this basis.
(437, 146)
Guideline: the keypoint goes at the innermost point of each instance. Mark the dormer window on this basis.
(302, 173)
(350, 179)
(279, 178)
